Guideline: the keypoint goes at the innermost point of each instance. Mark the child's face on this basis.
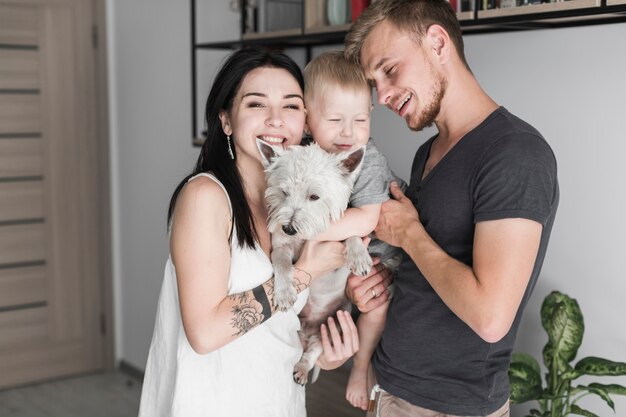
(340, 121)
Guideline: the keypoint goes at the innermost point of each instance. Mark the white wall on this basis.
(574, 91)
(569, 83)
(149, 46)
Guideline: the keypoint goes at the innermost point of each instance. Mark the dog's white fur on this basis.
(307, 189)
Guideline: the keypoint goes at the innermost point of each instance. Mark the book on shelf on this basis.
(273, 15)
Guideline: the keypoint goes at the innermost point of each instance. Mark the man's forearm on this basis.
(487, 295)
(454, 282)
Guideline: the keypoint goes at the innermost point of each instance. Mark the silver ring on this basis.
(373, 293)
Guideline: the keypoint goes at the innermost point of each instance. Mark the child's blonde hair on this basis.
(331, 70)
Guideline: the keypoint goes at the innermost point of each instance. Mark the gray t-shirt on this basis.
(428, 356)
(372, 187)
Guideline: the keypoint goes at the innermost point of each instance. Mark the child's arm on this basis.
(356, 221)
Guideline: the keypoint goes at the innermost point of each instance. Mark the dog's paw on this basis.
(285, 298)
(300, 373)
(358, 258)
(360, 264)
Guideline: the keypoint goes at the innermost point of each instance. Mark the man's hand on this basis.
(396, 217)
(369, 291)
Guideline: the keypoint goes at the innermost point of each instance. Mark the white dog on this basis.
(307, 189)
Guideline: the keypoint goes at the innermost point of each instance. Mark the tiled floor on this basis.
(107, 394)
(116, 394)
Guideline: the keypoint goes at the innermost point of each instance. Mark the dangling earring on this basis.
(230, 150)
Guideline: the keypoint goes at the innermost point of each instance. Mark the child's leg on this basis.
(370, 326)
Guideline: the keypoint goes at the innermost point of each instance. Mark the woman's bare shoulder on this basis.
(202, 196)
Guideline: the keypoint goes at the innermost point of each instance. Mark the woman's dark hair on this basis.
(214, 156)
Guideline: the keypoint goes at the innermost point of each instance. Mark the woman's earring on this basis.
(230, 150)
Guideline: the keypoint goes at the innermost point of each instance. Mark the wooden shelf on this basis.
(539, 8)
(328, 28)
(534, 16)
(546, 16)
(271, 35)
(469, 15)
(317, 32)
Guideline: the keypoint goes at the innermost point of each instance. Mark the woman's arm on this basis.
(201, 253)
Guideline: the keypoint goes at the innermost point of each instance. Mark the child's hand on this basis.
(320, 258)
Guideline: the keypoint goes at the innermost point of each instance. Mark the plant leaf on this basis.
(581, 411)
(522, 391)
(563, 321)
(600, 367)
(551, 354)
(601, 392)
(610, 388)
(548, 306)
(570, 374)
(526, 373)
(527, 359)
(550, 303)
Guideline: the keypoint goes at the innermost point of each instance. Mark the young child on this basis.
(338, 99)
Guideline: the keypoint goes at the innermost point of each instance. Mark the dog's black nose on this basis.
(288, 229)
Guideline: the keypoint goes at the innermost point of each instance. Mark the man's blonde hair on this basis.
(411, 16)
(331, 70)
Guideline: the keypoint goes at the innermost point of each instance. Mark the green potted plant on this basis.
(562, 319)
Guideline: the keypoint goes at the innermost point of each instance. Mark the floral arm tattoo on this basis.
(252, 308)
(255, 306)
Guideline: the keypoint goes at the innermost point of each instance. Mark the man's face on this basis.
(403, 74)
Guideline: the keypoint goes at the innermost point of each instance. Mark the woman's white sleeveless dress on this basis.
(250, 376)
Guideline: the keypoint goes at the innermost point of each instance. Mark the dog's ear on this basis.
(352, 162)
(267, 152)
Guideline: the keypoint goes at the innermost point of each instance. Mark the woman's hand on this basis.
(369, 291)
(339, 346)
(319, 258)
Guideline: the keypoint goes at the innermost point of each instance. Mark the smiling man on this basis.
(474, 223)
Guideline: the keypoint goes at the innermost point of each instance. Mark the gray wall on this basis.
(569, 83)
(151, 151)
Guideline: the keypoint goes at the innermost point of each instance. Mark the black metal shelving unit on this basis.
(529, 17)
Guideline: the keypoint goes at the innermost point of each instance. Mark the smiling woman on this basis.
(213, 335)
(269, 107)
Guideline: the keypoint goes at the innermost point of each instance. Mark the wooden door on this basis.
(50, 279)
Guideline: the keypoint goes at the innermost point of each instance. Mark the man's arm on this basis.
(361, 289)
(487, 296)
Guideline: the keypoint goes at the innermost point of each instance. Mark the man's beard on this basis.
(428, 115)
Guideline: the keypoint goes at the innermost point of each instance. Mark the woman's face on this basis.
(268, 106)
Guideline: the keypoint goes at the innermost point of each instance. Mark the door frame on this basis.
(104, 182)
(102, 266)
